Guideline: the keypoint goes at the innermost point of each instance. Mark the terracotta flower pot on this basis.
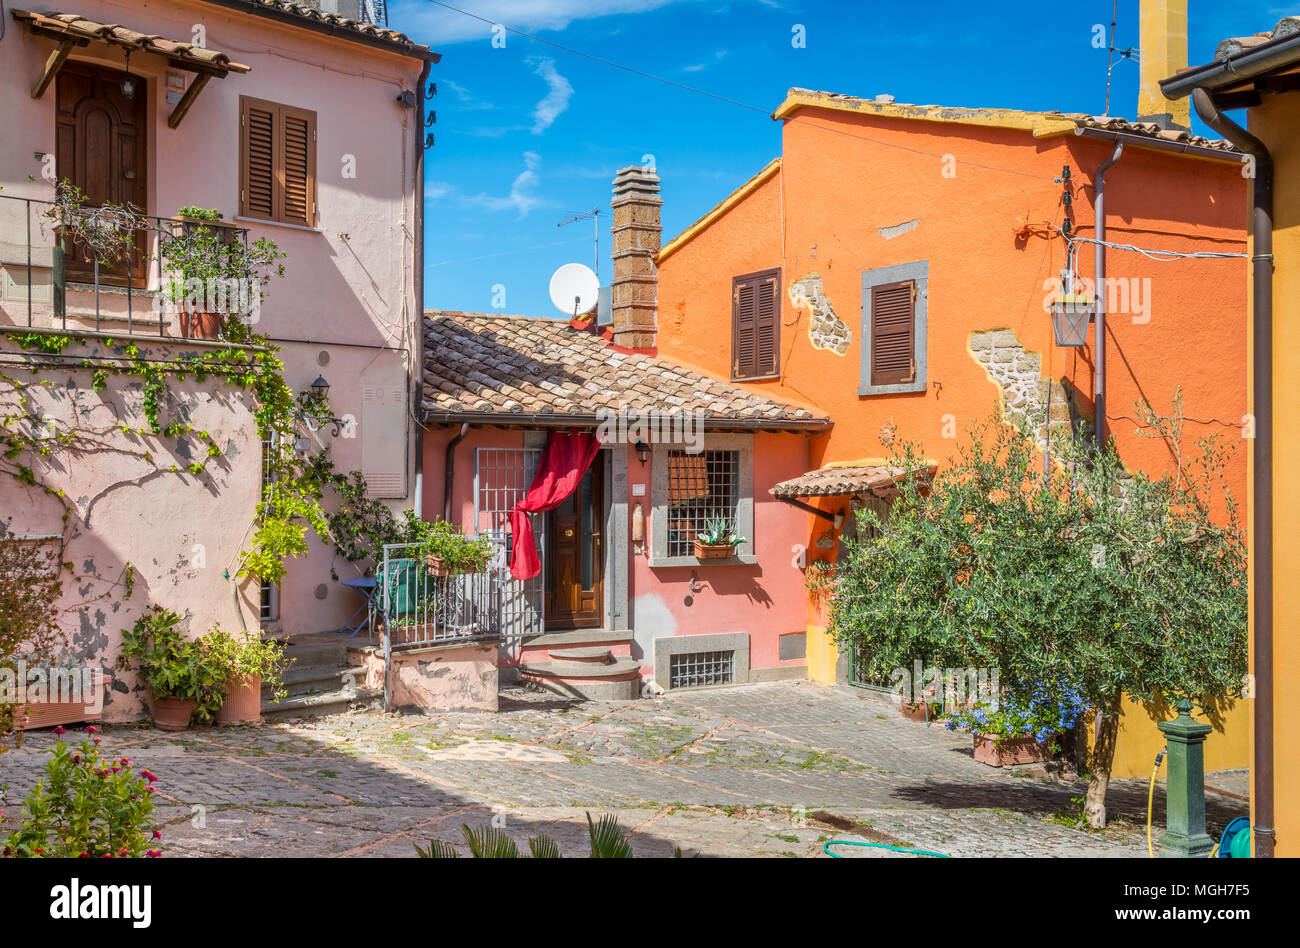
(438, 568)
(918, 711)
(243, 704)
(173, 714)
(713, 551)
(65, 711)
(1012, 751)
(200, 325)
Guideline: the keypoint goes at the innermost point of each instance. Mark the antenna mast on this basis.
(594, 214)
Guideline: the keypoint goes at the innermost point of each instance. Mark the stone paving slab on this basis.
(738, 771)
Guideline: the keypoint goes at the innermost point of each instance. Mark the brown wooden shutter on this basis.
(277, 171)
(298, 168)
(257, 159)
(755, 321)
(893, 333)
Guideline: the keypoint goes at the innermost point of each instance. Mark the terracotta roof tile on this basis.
(337, 19)
(484, 363)
(841, 481)
(1287, 26)
(77, 26)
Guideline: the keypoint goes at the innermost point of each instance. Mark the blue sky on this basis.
(528, 134)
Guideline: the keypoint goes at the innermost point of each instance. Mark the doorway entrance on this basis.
(100, 146)
(575, 554)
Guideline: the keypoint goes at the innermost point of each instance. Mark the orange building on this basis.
(891, 270)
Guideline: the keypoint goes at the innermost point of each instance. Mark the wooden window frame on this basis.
(917, 272)
(756, 278)
(280, 112)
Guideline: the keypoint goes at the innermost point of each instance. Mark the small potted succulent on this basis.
(247, 662)
(181, 672)
(718, 540)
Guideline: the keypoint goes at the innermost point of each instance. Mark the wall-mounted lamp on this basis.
(310, 405)
(642, 452)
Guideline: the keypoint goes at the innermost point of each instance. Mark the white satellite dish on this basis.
(574, 289)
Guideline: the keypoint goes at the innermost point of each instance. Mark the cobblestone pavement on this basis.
(757, 770)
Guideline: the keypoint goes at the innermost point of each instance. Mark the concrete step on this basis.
(617, 680)
(578, 637)
(595, 654)
(313, 679)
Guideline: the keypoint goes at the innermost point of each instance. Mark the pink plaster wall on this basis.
(462, 678)
(349, 282)
(174, 527)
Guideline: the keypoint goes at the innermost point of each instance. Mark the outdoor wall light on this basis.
(320, 388)
(1071, 315)
(642, 452)
(309, 405)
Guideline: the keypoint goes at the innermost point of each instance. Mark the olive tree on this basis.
(1064, 570)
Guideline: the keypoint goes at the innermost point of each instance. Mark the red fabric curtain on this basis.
(565, 460)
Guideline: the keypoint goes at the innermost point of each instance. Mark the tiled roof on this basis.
(1287, 26)
(840, 481)
(75, 26)
(1040, 123)
(310, 12)
(489, 364)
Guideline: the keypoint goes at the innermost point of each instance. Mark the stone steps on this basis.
(618, 679)
(319, 681)
(591, 653)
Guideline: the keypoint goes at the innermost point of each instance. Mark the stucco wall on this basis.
(348, 289)
(178, 530)
(877, 192)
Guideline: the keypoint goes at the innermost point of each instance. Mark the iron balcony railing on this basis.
(52, 273)
(418, 609)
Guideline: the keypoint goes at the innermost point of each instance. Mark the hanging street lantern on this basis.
(1071, 315)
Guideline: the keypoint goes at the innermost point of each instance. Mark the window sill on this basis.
(757, 378)
(743, 559)
(265, 223)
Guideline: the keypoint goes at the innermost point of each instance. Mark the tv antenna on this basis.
(594, 214)
(1111, 50)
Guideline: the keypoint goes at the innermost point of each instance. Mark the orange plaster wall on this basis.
(823, 213)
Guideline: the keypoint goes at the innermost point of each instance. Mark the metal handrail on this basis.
(162, 228)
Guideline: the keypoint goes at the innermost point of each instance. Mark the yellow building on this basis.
(1261, 74)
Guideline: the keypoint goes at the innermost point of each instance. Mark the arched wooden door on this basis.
(101, 147)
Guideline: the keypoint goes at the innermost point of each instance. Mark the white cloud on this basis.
(557, 99)
(440, 27)
(522, 197)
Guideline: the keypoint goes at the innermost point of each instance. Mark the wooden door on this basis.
(575, 555)
(100, 146)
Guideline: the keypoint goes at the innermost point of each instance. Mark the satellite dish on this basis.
(574, 289)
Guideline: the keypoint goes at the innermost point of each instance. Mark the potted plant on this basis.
(207, 261)
(445, 550)
(718, 540)
(180, 672)
(245, 663)
(1020, 729)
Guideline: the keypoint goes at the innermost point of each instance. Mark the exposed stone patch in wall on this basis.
(1025, 393)
(825, 329)
(889, 233)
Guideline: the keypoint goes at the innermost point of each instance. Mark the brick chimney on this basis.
(636, 232)
(1163, 38)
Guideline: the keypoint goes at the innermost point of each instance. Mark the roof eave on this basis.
(1035, 122)
(561, 420)
(1246, 65)
(414, 51)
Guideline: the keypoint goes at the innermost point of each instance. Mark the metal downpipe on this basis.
(1099, 277)
(1262, 516)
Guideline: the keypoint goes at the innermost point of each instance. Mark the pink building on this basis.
(622, 595)
(295, 122)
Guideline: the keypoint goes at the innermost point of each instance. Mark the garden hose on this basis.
(1151, 796)
(826, 847)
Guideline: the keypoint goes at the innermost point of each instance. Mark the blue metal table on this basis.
(365, 585)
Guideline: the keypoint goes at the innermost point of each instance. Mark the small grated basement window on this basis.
(701, 487)
(697, 669)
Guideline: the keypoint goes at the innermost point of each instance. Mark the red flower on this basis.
(157, 834)
(153, 853)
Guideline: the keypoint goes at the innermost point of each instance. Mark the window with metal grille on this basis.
(701, 487)
(501, 479)
(697, 669)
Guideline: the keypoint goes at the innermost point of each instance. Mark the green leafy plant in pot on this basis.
(447, 551)
(248, 664)
(212, 273)
(181, 672)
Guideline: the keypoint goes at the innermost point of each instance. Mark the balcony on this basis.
(116, 271)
